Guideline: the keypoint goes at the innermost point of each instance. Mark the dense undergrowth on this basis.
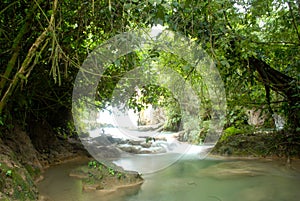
(259, 144)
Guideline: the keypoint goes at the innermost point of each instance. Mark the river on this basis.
(188, 179)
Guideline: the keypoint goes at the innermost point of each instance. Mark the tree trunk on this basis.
(279, 82)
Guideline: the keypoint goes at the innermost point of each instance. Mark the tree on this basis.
(251, 41)
(42, 38)
(255, 45)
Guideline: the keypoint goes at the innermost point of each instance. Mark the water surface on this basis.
(189, 180)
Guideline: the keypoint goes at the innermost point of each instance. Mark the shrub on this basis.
(229, 132)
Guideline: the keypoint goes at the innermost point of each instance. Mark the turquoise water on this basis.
(190, 180)
(205, 180)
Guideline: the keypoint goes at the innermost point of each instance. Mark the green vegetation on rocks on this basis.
(259, 144)
(98, 176)
(15, 182)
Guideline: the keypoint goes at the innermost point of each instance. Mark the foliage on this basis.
(8, 173)
(67, 130)
(100, 170)
(93, 164)
(229, 132)
(236, 117)
(111, 171)
(100, 167)
(235, 32)
(255, 45)
(261, 144)
(174, 117)
(149, 139)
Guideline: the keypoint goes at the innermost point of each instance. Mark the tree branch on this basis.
(280, 82)
(16, 47)
(31, 53)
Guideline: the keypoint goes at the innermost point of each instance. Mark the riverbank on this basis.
(268, 144)
(86, 178)
(25, 156)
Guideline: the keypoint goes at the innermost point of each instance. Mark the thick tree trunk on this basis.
(279, 82)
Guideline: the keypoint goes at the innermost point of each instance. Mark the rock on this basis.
(158, 150)
(104, 151)
(160, 138)
(101, 140)
(130, 148)
(21, 144)
(104, 178)
(225, 170)
(84, 135)
(135, 142)
(114, 140)
(145, 151)
(192, 183)
(42, 135)
(146, 145)
(139, 149)
(15, 181)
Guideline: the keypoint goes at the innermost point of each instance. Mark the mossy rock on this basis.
(97, 176)
(15, 181)
(260, 144)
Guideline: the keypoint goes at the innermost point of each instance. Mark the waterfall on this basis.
(279, 121)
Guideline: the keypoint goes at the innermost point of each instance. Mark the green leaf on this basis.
(8, 173)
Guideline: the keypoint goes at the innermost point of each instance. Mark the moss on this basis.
(17, 183)
(33, 172)
(23, 188)
(262, 144)
(98, 176)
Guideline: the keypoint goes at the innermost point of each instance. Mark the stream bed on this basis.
(188, 180)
